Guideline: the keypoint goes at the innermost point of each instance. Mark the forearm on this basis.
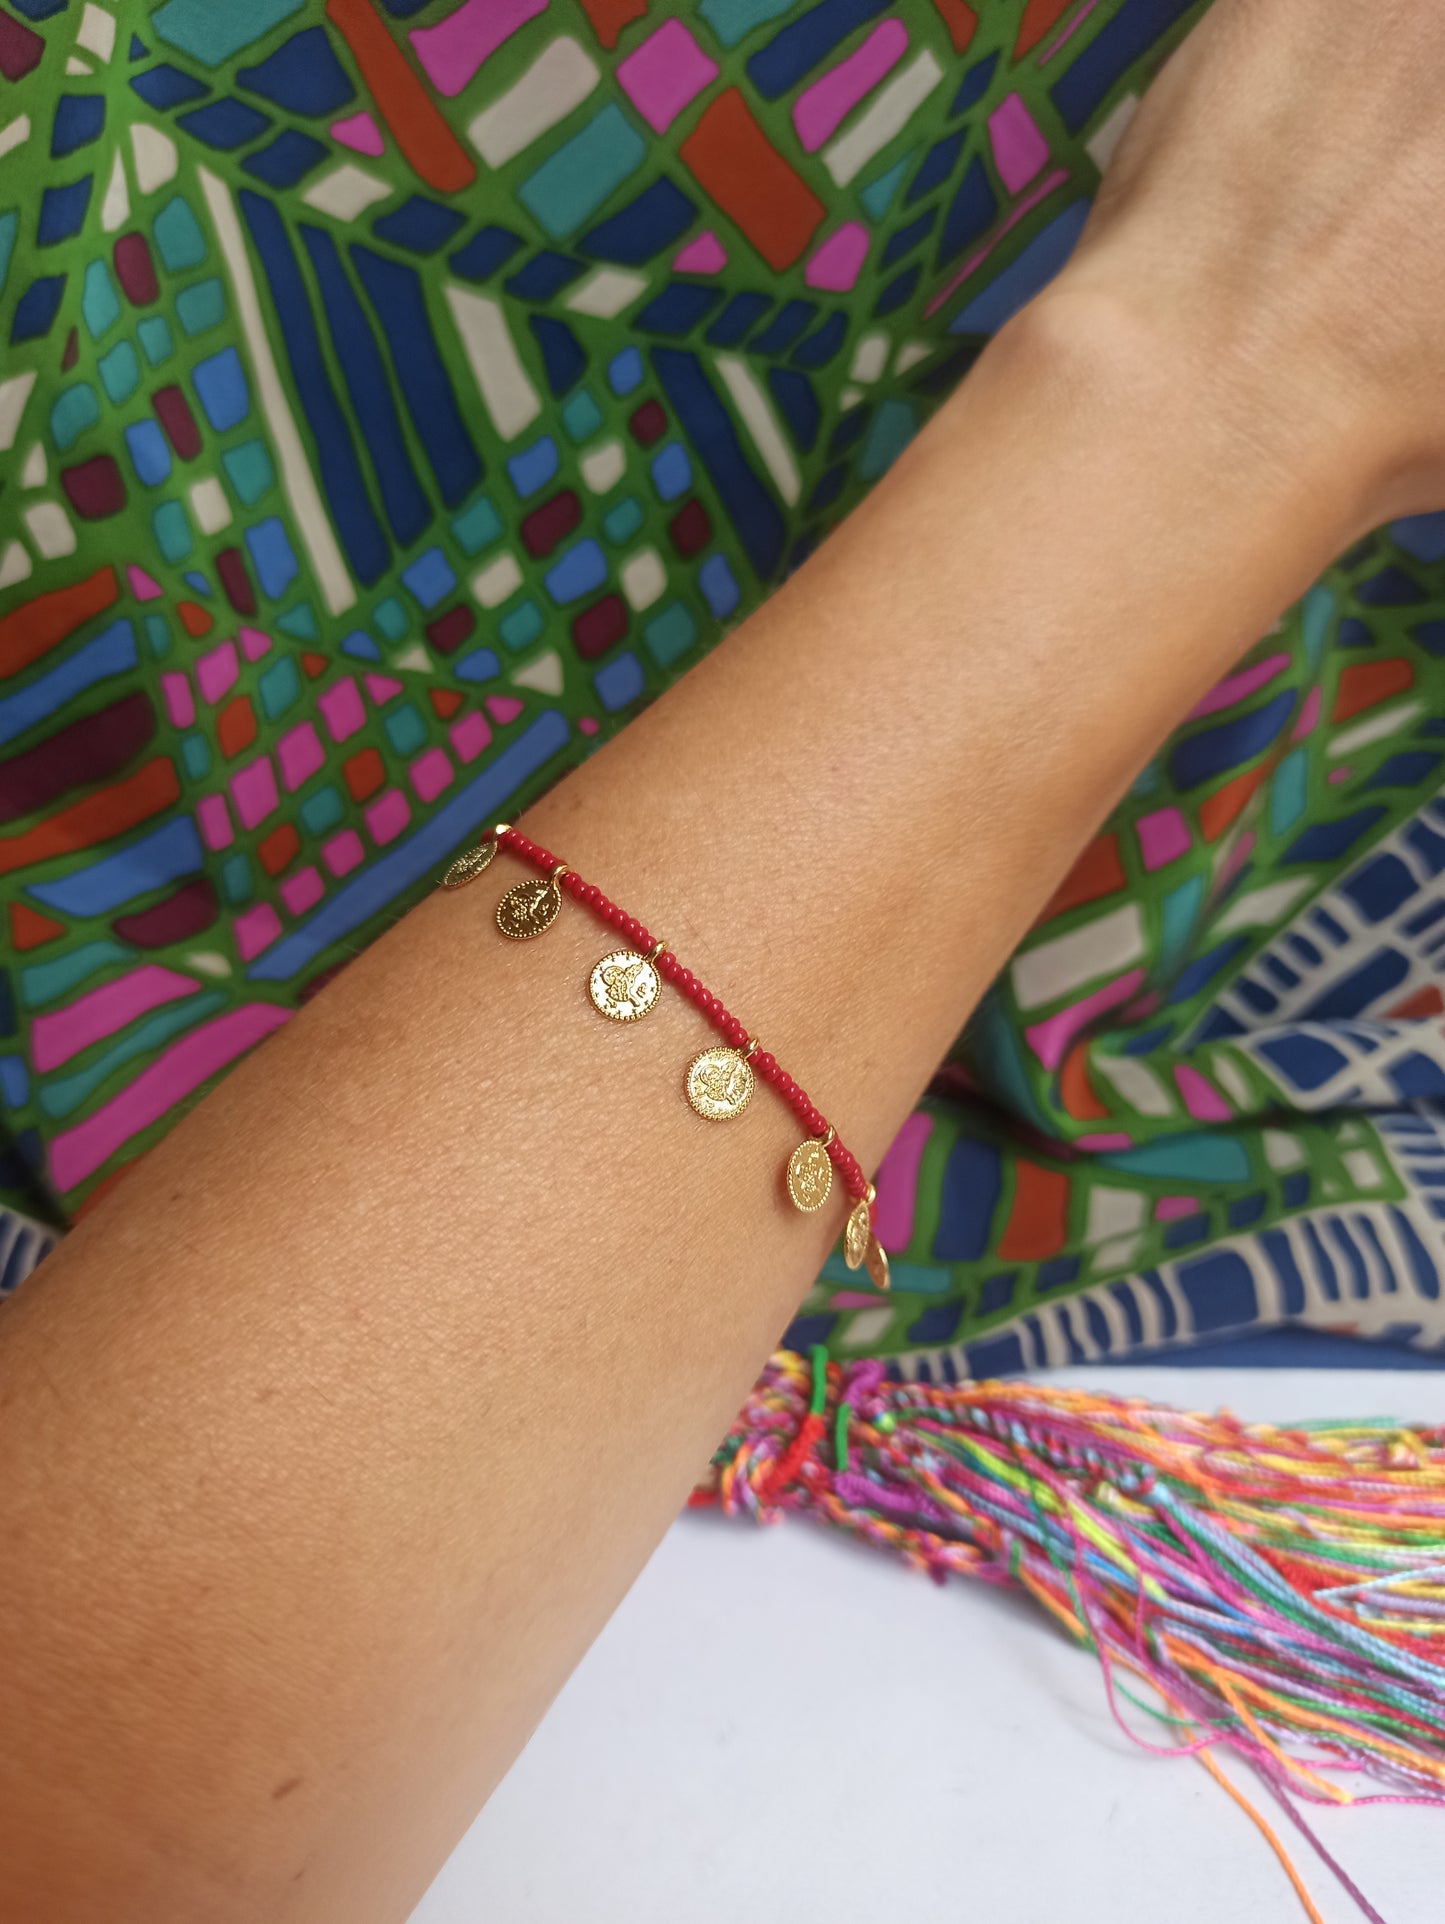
(308, 1508)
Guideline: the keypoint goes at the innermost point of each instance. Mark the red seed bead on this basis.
(765, 1064)
(668, 966)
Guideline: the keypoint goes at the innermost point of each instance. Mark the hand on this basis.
(1273, 216)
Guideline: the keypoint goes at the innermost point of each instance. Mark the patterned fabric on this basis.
(396, 394)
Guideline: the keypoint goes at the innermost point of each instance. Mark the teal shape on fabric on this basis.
(119, 372)
(919, 1278)
(201, 306)
(323, 809)
(155, 338)
(300, 621)
(158, 636)
(236, 882)
(196, 754)
(405, 729)
(249, 471)
(477, 526)
(99, 302)
(9, 228)
(1316, 611)
(619, 524)
(1176, 913)
(391, 618)
(573, 181)
(994, 1047)
(65, 1093)
(279, 686)
(1289, 791)
(172, 530)
(1015, 285)
(733, 20)
(581, 416)
(212, 30)
(178, 235)
(1197, 1156)
(41, 982)
(670, 633)
(876, 196)
(521, 624)
(75, 410)
(893, 426)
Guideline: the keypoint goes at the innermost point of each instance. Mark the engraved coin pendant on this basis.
(466, 868)
(876, 1262)
(856, 1233)
(529, 908)
(624, 985)
(810, 1175)
(719, 1083)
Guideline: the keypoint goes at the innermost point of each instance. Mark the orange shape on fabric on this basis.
(1076, 1091)
(1364, 683)
(37, 625)
(314, 664)
(194, 619)
(1225, 804)
(278, 848)
(732, 159)
(1038, 17)
(1097, 872)
(364, 774)
(431, 148)
(445, 702)
(235, 727)
(1038, 1221)
(29, 928)
(1426, 1001)
(609, 17)
(99, 817)
(961, 21)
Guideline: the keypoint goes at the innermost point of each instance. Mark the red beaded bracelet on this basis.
(719, 1084)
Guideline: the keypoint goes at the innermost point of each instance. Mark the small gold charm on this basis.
(466, 868)
(810, 1173)
(876, 1262)
(856, 1234)
(531, 907)
(625, 985)
(720, 1082)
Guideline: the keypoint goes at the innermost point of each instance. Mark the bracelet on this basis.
(625, 986)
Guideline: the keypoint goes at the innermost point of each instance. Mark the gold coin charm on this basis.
(719, 1083)
(466, 868)
(876, 1262)
(530, 907)
(625, 985)
(810, 1176)
(856, 1234)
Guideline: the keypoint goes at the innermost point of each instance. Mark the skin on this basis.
(308, 1510)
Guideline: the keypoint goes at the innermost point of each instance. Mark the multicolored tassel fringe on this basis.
(1281, 1591)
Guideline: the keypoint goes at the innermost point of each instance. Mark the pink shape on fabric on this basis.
(253, 790)
(215, 821)
(662, 75)
(1169, 1209)
(1019, 149)
(77, 1153)
(179, 705)
(1224, 694)
(852, 1299)
(1105, 1143)
(256, 929)
(430, 773)
(1235, 860)
(1309, 714)
(300, 754)
(1050, 1040)
(819, 108)
(302, 891)
(503, 708)
(1201, 1098)
(587, 725)
(469, 736)
(1339, 775)
(976, 260)
(360, 133)
(898, 1182)
(704, 254)
(341, 709)
(254, 644)
(387, 816)
(381, 688)
(839, 261)
(56, 1037)
(217, 671)
(454, 48)
(1163, 837)
(143, 586)
(343, 852)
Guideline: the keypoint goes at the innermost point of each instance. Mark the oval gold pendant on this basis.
(810, 1175)
(466, 868)
(876, 1262)
(529, 908)
(856, 1233)
(719, 1083)
(624, 985)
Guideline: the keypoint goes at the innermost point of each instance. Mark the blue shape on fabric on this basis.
(1416, 1078)
(563, 361)
(1122, 40)
(288, 158)
(111, 652)
(938, 1323)
(272, 557)
(487, 250)
(220, 383)
(1390, 588)
(784, 328)
(1203, 969)
(533, 467)
(79, 119)
(1219, 1289)
(719, 587)
(1353, 993)
(62, 211)
(619, 681)
(1378, 887)
(624, 371)
(678, 308)
(303, 75)
(150, 457)
(708, 425)
(661, 214)
(166, 86)
(429, 577)
(544, 275)
(936, 166)
(908, 237)
(799, 47)
(1015, 285)
(1423, 1271)
(968, 1195)
(671, 471)
(1411, 768)
(974, 85)
(1186, 1230)
(971, 213)
(225, 124)
(578, 570)
(996, 1356)
(166, 854)
(997, 1292)
(1307, 1061)
(1422, 536)
(742, 312)
(1126, 1297)
(478, 664)
(898, 291)
(820, 346)
(423, 226)
(1215, 751)
(796, 402)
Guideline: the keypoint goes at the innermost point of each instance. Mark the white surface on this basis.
(783, 1724)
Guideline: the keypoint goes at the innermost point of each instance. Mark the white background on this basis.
(782, 1724)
